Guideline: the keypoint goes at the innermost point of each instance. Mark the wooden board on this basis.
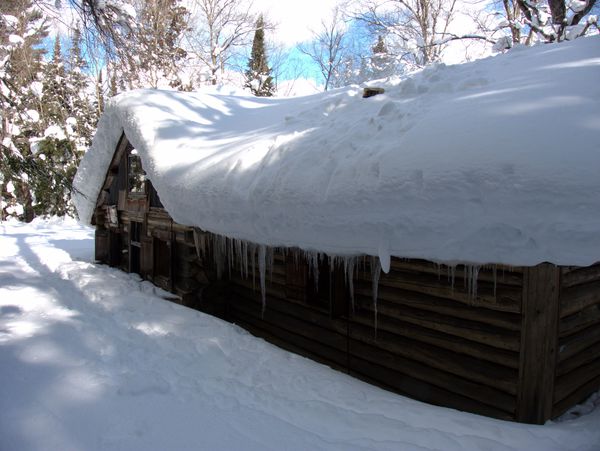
(539, 335)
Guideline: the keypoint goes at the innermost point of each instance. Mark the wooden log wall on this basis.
(578, 366)
(287, 319)
(435, 341)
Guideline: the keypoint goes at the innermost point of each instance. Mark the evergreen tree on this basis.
(154, 54)
(80, 107)
(99, 102)
(54, 93)
(47, 120)
(381, 62)
(54, 153)
(258, 75)
(22, 30)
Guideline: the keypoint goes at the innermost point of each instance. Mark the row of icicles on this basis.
(230, 254)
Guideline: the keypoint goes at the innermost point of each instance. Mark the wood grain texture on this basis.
(539, 343)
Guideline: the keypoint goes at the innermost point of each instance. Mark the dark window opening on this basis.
(162, 258)
(134, 260)
(135, 232)
(136, 177)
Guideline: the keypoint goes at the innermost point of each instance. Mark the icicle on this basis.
(312, 258)
(349, 263)
(375, 273)
(262, 268)
(253, 260)
(237, 244)
(384, 258)
(476, 269)
(452, 275)
(495, 270)
(229, 250)
(270, 253)
(472, 274)
(219, 246)
(197, 241)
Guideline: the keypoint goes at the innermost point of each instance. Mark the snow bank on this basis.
(492, 161)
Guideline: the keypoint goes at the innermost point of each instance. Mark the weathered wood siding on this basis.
(288, 318)
(435, 341)
(578, 366)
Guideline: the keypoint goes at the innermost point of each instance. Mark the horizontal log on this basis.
(302, 343)
(419, 390)
(571, 382)
(578, 298)
(507, 299)
(580, 320)
(471, 330)
(573, 344)
(575, 275)
(576, 397)
(332, 339)
(500, 275)
(505, 320)
(446, 381)
(302, 312)
(441, 340)
(293, 343)
(580, 359)
(275, 290)
(472, 369)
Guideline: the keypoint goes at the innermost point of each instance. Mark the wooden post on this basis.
(539, 341)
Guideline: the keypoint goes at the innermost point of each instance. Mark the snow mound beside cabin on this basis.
(492, 161)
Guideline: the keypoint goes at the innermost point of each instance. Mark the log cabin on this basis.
(429, 267)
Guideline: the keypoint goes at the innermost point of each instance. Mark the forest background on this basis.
(60, 61)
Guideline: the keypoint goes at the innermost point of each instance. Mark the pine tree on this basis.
(382, 63)
(22, 30)
(154, 55)
(258, 75)
(54, 154)
(99, 102)
(79, 82)
(54, 94)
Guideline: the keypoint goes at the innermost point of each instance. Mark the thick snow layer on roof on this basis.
(492, 161)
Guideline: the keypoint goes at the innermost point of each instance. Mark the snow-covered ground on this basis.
(92, 358)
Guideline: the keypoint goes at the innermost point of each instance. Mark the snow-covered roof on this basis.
(492, 161)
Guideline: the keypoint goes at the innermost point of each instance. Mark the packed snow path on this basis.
(92, 358)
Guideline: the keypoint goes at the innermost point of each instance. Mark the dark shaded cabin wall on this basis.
(437, 342)
(578, 366)
(433, 340)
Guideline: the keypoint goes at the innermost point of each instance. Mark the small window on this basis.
(162, 258)
(135, 233)
(135, 229)
(136, 178)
